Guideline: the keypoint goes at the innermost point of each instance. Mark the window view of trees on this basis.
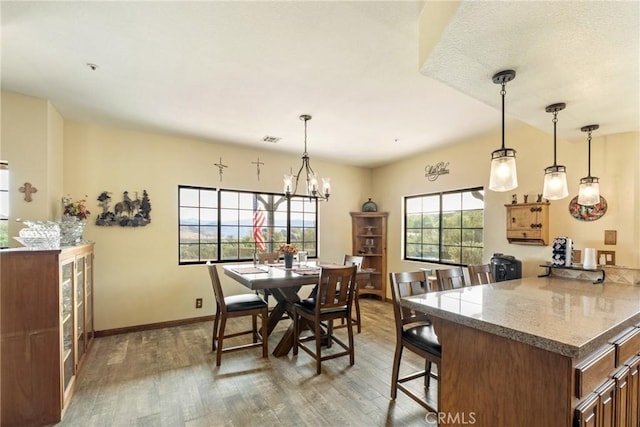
(218, 225)
(445, 227)
(4, 233)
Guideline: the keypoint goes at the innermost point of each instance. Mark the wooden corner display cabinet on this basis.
(369, 240)
(528, 223)
(47, 329)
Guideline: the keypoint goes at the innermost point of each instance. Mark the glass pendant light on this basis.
(503, 176)
(589, 192)
(555, 176)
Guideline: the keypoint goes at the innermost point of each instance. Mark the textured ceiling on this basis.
(235, 72)
(585, 54)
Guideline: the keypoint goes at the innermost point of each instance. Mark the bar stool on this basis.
(480, 274)
(414, 332)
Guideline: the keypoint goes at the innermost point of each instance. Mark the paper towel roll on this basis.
(568, 261)
(590, 258)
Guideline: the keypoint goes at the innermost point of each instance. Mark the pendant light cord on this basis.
(555, 121)
(589, 157)
(305, 135)
(503, 92)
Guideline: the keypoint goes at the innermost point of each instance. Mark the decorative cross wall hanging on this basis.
(28, 190)
(258, 163)
(221, 167)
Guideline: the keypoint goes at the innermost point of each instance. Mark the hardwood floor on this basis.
(168, 377)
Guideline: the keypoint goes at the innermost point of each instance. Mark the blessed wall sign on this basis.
(433, 172)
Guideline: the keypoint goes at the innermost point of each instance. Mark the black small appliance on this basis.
(505, 267)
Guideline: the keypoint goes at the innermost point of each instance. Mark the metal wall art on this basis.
(126, 213)
(220, 167)
(433, 172)
(258, 163)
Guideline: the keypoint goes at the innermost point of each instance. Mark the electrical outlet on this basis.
(198, 302)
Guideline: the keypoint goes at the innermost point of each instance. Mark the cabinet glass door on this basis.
(79, 282)
(68, 356)
(89, 298)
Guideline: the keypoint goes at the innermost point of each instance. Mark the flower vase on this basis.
(288, 261)
(71, 230)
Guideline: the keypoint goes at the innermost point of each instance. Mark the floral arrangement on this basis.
(288, 249)
(77, 209)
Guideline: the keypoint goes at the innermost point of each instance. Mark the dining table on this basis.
(283, 284)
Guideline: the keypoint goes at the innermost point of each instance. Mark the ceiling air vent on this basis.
(271, 139)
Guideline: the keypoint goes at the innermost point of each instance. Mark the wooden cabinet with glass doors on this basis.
(47, 329)
(369, 240)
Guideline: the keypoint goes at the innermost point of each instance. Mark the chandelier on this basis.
(503, 175)
(310, 177)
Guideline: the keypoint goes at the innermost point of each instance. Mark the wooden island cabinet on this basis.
(46, 330)
(538, 352)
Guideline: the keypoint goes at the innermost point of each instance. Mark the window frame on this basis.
(4, 204)
(296, 223)
(440, 229)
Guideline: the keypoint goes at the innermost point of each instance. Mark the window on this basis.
(445, 227)
(230, 225)
(4, 204)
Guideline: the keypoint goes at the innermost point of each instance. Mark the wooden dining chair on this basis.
(332, 301)
(414, 332)
(450, 278)
(237, 306)
(357, 261)
(480, 274)
(267, 258)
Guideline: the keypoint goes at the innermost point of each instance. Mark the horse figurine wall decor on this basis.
(127, 213)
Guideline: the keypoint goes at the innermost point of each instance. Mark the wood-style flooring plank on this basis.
(168, 377)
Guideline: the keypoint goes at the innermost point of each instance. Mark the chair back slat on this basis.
(335, 287)
(405, 284)
(451, 278)
(480, 274)
(268, 257)
(353, 260)
(217, 286)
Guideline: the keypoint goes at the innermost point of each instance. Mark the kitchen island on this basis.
(537, 351)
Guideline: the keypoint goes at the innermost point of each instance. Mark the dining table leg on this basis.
(285, 298)
(276, 315)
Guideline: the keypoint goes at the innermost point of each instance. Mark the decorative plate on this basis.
(587, 213)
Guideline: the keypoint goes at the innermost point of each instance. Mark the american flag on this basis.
(258, 222)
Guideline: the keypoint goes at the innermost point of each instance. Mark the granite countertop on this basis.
(565, 316)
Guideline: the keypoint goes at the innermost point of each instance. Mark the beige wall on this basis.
(31, 131)
(137, 279)
(614, 160)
